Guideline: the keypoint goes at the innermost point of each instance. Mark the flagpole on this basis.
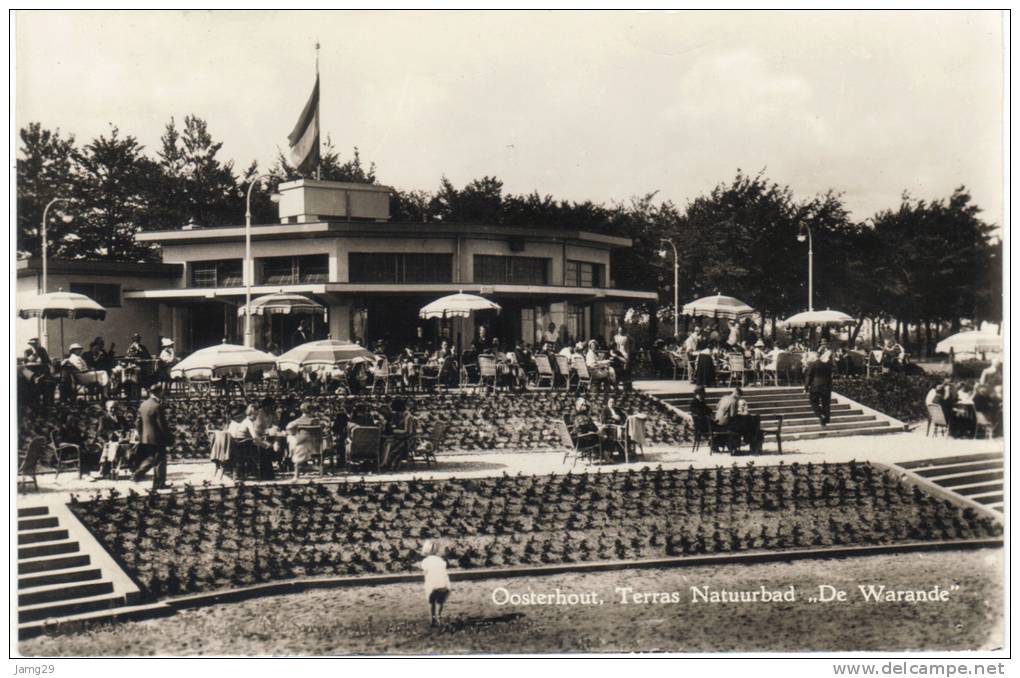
(318, 103)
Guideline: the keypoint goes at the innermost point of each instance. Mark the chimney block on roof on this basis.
(308, 201)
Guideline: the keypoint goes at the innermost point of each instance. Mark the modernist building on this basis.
(336, 243)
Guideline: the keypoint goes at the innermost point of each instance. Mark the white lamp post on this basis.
(249, 265)
(676, 283)
(805, 234)
(45, 270)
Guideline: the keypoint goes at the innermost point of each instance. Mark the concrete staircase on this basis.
(978, 477)
(848, 418)
(64, 575)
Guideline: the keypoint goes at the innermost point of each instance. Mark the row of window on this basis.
(385, 267)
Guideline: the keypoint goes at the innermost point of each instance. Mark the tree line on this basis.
(925, 266)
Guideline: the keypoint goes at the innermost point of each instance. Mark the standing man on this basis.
(153, 438)
(818, 383)
(621, 355)
(301, 335)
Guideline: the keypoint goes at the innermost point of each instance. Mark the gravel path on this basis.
(393, 619)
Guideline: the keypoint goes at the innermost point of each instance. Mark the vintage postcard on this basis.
(509, 333)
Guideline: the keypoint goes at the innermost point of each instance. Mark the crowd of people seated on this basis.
(967, 406)
(706, 350)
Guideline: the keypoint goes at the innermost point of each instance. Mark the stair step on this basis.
(53, 593)
(950, 469)
(100, 616)
(26, 511)
(64, 576)
(62, 609)
(806, 428)
(40, 536)
(814, 435)
(970, 478)
(37, 523)
(48, 549)
(922, 463)
(978, 488)
(989, 498)
(47, 563)
(841, 417)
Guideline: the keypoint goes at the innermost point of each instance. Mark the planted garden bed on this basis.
(204, 540)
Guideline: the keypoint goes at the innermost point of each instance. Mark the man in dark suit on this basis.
(301, 335)
(818, 384)
(153, 438)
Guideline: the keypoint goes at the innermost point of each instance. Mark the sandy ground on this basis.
(394, 619)
(889, 448)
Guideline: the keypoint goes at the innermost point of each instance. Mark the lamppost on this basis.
(805, 234)
(45, 270)
(663, 252)
(249, 265)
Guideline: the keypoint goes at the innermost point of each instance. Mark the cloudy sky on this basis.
(598, 106)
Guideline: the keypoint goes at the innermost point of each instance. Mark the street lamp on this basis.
(805, 235)
(663, 252)
(249, 265)
(45, 246)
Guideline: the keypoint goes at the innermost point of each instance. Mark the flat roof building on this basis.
(335, 243)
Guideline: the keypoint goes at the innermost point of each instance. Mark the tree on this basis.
(44, 172)
(113, 184)
(196, 186)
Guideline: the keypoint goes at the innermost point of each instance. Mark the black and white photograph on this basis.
(548, 333)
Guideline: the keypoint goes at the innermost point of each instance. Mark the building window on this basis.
(104, 294)
(224, 273)
(306, 269)
(511, 270)
(384, 267)
(584, 274)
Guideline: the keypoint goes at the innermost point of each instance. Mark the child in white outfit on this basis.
(437, 581)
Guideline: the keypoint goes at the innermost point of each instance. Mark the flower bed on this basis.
(205, 540)
(898, 395)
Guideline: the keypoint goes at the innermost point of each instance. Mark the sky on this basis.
(580, 105)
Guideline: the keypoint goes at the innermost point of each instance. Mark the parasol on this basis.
(974, 341)
(325, 352)
(458, 305)
(282, 303)
(718, 306)
(223, 360)
(826, 318)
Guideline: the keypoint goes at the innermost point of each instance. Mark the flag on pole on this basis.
(304, 140)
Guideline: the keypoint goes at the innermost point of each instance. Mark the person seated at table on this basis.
(111, 431)
(363, 416)
(613, 415)
(550, 335)
(991, 376)
(167, 358)
(733, 337)
(246, 439)
(96, 356)
(341, 420)
(693, 341)
(581, 422)
(483, 342)
(699, 413)
(399, 430)
(893, 355)
(599, 368)
(733, 413)
(525, 363)
(985, 403)
(137, 350)
(408, 364)
(303, 443)
(86, 375)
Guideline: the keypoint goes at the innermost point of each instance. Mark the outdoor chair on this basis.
(544, 371)
(702, 431)
(563, 364)
(737, 368)
(29, 461)
(312, 437)
(487, 371)
(364, 447)
(982, 424)
(425, 450)
(636, 433)
(937, 420)
(383, 375)
(680, 366)
(580, 368)
(587, 446)
(83, 384)
(66, 456)
(777, 432)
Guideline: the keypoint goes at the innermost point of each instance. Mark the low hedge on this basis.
(897, 395)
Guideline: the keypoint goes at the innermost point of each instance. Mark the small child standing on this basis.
(437, 581)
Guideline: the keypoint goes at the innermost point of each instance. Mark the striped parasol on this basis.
(718, 306)
(224, 360)
(458, 305)
(826, 318)
(282, 303)
(60, 305)
(321, 353)
(974, 341)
